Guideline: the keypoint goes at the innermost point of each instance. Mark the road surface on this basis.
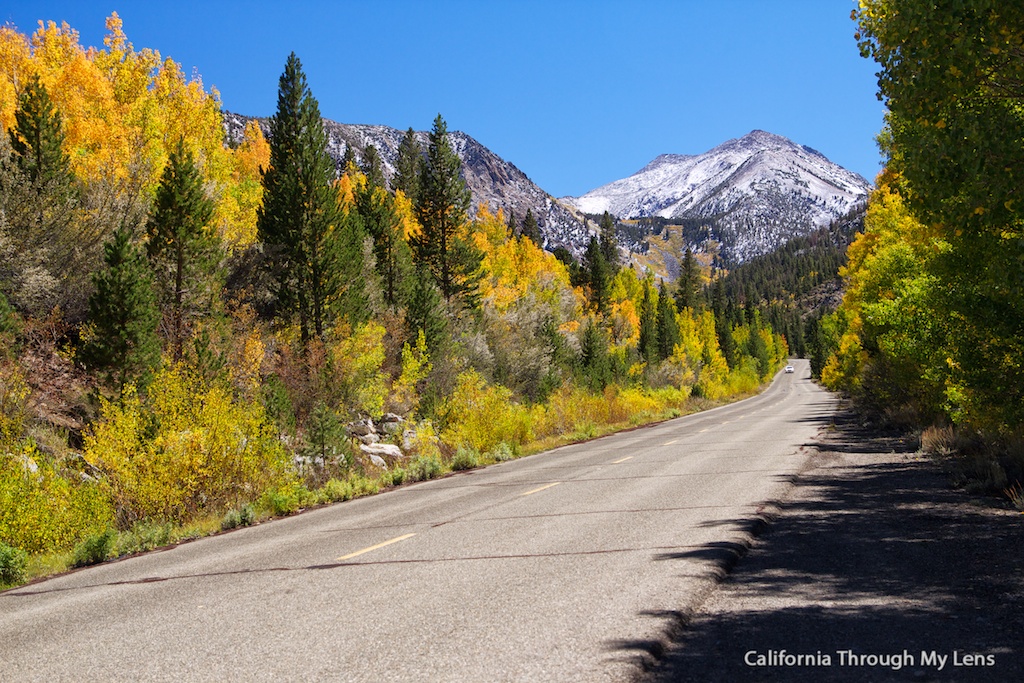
(568, 565)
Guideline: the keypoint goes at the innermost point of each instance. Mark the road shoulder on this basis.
(875, 569)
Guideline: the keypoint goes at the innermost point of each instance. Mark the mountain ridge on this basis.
(751, 193)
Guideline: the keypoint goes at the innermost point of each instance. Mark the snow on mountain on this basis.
(492, 181)
(752, 193)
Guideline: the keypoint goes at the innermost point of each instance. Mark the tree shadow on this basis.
(875, 554)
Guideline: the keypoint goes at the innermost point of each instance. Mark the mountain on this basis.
(492, 181)
(748, 195)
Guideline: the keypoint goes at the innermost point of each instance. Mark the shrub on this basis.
(502, 452)
(44, 509)
(243, 516)
(95, 548)
(12, 565)
(143, 536)
(190, 448)
(424, 467)
(465, 459)
(335, 491)
(286, 500)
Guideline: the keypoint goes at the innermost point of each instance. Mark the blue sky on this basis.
(576, 94)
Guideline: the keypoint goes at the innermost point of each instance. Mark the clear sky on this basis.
(575, 93)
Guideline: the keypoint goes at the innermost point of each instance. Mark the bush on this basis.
(94, 549)
(12, 565)
(43, 508)
(424, 467)
(502, 452)
(144, 536)
(335, 491)
(243, 516)
(465, 459)
(284, 500)
(188, 449)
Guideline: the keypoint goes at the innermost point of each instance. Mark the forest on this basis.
(196, 335)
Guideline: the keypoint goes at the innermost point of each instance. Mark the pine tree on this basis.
(609, 244)
(123, 314)
(407, 166)
(595, 275)
(531, 230)
(425, 312)
(594, 362)
(348, 159)
(314, 248)
(182, 251)
(647, 346)
(38, 207)
(688, 291)
(373, 168)
(667, 323)
(442, 208)
(376, 209)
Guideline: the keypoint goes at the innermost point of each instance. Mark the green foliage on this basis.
(424, 467)
(442, 206)
(951, 80)
(95, 548)
(13, 562)
(243, 516)
(143, 536)
(122, 340)
(315, 248)
(181, 248)
(407, 166)
(465, 458)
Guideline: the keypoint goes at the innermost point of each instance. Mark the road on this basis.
(564, 566)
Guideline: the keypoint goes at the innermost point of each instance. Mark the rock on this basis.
(391, 417)
(361, 427)
(369, 438)
(386, 450)
(378, 461)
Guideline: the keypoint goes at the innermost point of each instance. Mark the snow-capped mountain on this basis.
(493, 181)
(751, 194)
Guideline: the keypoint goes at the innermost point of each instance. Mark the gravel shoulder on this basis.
(872, 569)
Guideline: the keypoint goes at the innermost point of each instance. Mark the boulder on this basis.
(382, 450)
(361, 427)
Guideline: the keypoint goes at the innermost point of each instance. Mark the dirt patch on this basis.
(874, 569)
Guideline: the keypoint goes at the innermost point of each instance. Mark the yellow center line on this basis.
(373, 547)
(669, 443)
(546, 486)
(616, 462)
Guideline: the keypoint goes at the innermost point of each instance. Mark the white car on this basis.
(790, 369)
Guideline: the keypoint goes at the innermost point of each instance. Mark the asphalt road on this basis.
(568, 565)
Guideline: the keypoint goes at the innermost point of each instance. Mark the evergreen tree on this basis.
(124, 315)
(373, 168)
(348, 159)
(531, 230)
(647, 346)
(182, 251)
(688, 291)
(596, 275)
(407, 166)
(571, 264)
(38, 208)
(376, 209)
(667, 324)
(512, 227)
(425, 312)
(723, 322)
(609, 244)
(314, 248)
(594, 362)
(442, 207)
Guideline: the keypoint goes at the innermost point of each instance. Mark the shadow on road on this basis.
(873, 553)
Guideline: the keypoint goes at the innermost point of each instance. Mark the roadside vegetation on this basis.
(191, 326)
(930, 333)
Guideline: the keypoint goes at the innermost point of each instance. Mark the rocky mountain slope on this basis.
(749, 195)
(493, 181)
